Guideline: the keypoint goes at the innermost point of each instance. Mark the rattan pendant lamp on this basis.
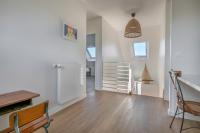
(133, 29)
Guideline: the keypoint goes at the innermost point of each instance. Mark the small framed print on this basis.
(70, 33)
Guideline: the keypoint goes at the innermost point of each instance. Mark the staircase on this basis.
(117, 77)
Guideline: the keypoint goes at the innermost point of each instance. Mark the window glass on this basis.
(140, 49)
(92, 52)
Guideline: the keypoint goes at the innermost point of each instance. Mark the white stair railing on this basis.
(117, 77)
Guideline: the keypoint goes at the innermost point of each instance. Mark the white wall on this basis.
(153, 36)
(31, 41)
(167, 47)
(110, 43)
(94, 26)
(162, 47)
(185, 42)
(186, 36)
(107, 45)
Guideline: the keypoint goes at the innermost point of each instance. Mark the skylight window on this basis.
(140, 49)
(92, 52)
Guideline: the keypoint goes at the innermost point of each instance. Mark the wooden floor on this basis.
(105, 112)
(90, 84)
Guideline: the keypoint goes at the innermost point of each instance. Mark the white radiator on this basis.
(69, 81)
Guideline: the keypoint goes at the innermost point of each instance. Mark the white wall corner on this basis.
(58, 108)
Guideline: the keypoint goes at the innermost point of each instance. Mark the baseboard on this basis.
(170, 112)
(187, 116)
(58, 108)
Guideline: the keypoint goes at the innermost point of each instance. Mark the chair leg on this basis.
(181, 129)
(46, 129)
(16, 126)
(173, 117)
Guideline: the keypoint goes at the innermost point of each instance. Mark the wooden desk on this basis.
(16, 97)
(14, 101)
(191, 80)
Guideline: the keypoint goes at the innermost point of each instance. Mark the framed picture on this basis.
(70, 33)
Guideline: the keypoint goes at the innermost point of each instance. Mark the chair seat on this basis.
(191, 107)
(35, 125)
(30, 127)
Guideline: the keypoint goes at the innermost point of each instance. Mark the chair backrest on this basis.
(25, 116)
(174, 78)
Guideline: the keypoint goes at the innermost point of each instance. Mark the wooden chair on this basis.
(191, 107)
(30, 119)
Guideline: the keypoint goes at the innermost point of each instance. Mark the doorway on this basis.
(90, 63)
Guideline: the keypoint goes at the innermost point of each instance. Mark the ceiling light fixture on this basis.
(133, 29)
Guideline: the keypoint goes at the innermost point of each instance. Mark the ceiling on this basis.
(118, 12)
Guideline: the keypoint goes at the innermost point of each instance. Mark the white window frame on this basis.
(147, 50)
